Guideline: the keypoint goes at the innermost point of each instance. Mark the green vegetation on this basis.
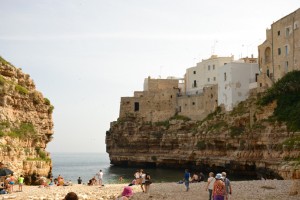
(240, 109)
(201, 145)
(24, 130)
(47, 101)
(3, 61)
(154, 158)
(287, 94)
(236, 130)
(163, 123)
(50, 111)
(218, 125)
(180, 117)
(2, 80)
(292, 142)
(21, 89)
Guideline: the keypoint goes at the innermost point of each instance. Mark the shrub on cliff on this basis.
(287, 94)
(21, 89)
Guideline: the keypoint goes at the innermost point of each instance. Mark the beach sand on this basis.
(248, 190)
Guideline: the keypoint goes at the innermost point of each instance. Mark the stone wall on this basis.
(26, 124)
(156, 103)
(197, 107)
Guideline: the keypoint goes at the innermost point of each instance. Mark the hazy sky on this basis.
(84, 55)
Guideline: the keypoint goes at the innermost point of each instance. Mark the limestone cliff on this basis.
(245, 141)
(25, 123)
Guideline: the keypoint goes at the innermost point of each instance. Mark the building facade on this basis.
(236, 79)
(280, 52)
(204, 74)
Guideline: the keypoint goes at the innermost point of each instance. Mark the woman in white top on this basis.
(210, 184)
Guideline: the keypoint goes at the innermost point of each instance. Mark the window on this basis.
(287, 32)
(194, 72)
(225, 77)
(208, 67)
(136, 106)
(286, 50)
(214, 67)
(193, 103)
(268, 72)
(214, 78)
(256, 77)
(208, 79)
(279, 51)
(195, 83)
(286, 66)
(278, 33)
(225, 63)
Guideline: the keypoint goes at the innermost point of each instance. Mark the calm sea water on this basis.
(86, 165)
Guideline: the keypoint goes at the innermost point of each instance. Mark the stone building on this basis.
(236, 79)
(158, 101)
(280, 52)
(198, 106)
(204, 74)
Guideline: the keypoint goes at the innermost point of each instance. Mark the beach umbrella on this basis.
(5, 172)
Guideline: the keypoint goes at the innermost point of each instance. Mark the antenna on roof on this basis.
(213, 48)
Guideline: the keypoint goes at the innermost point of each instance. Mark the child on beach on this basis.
(147, 183)
(127, 192)
(71, 196)
(21, 181)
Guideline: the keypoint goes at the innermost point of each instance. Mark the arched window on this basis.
(268, 55)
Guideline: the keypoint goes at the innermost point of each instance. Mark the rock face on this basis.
(25, 123)
(243, 142)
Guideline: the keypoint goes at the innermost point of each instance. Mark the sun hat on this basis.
(127, 191)
(219, 176)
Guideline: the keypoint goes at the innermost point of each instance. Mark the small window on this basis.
(286, 66)
(278, 33)
(225, 77)
(225, 63)
(195, 83)
(208, 67)
(256, 77)
(194, 72)
(287, 32)
(193, 103)
(286, 50)
(215, 79)
(208, 79)
(279, 51)
(136, 106)
(214, 67)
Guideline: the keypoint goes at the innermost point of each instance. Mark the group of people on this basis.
(7, 186)
(143, 179)
(96, 180)
(218, 186)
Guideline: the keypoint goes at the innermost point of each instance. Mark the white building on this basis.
(235, 81)
(205, 73)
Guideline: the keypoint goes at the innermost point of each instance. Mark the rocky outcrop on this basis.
(25, 123)
(244, 142)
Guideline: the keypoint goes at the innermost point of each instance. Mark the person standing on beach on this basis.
(187, 176)
(143, 179)
(210, 184)
(21, 182)
(228, 189)
(219, 188)
(79, 180)
(100, 177)
(147, 182)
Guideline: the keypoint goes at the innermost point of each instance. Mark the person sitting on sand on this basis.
(195, 178)
(71, 196)
(126, 194)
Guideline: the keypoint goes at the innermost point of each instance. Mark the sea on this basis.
(85, 165)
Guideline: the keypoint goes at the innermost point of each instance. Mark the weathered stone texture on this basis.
(26, 124)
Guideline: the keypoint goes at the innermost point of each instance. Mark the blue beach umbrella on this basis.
(5, 172)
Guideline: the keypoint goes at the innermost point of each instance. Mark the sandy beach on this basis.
(254, 190)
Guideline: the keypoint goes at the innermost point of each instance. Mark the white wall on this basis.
(239, 77)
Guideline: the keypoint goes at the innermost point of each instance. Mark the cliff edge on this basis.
(253, 140)
(26, 124)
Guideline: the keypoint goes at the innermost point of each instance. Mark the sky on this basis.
(84, 55)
